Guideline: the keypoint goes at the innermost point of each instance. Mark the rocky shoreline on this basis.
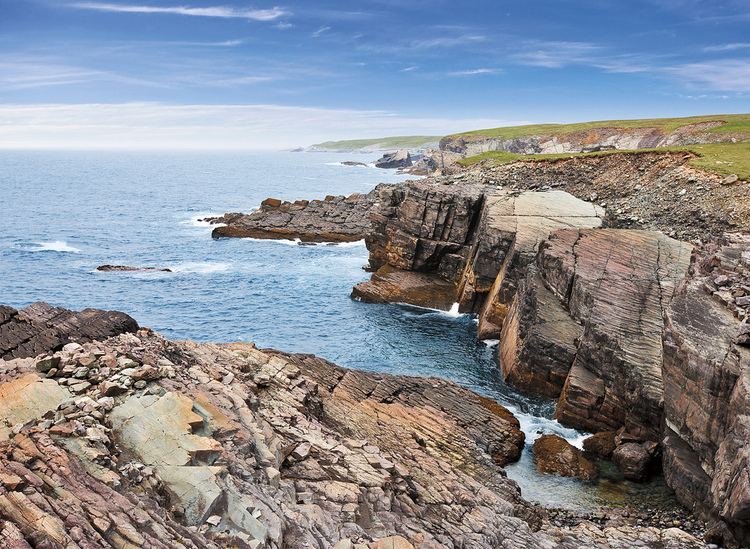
(618, 285)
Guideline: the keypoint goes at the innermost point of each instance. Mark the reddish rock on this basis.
(635, 461)
(389, 285)
(554, 454)
(601, 444)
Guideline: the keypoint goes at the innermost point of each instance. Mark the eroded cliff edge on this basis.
(599, 276)
(138, 441)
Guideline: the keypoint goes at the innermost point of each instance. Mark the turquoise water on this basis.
(66, 213)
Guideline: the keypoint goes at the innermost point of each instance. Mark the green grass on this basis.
(720, 158)
(397, 142)
(739, 123)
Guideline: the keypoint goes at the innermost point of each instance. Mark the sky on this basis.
(222, 74)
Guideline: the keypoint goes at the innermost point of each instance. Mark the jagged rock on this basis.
(554, 454)
(707, 394)
(391, 460)
(601, 444)
(40, 328)
(335, 219)
(398, 159)
(636, 461)
(390, 285)
(128, 268)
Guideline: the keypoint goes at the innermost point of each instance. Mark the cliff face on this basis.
(137, 441)
(462, 146)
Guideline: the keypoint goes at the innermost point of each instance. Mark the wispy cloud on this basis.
(728, 47)
(320, 31)
(728, 75)
(555, 55)
(20, 74)
(476, 72)
(164, 126)
(409, 69)
(447, 41)
(212, 11)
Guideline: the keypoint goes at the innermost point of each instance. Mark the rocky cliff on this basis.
(454, 147)
(137, 441)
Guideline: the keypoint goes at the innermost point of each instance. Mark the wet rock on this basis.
(128, 268)
(390, 285)
(554, 454)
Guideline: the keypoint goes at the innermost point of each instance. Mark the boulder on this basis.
(636, 461)
(601, 444)
(554, 454)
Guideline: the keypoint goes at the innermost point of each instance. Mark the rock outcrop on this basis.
(707, 388)
(455, 147)
(40, 328)
(398, 159)
(554, 454)
(129, 268)
(334, 219)
(177, 444)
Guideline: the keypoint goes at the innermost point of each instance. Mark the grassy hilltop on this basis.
(396, 142)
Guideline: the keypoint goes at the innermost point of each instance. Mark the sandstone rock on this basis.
(390, 285)
(554, 454)
(27, 398)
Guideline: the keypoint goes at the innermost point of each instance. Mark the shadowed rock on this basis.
(554, 454)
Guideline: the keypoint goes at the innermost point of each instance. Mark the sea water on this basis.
(65, 213)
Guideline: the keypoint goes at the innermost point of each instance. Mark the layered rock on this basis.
(334, 219)
(615, 284)
(475, 238)
(707, 388)
(398, 159)
(225, 445)
(40, 327)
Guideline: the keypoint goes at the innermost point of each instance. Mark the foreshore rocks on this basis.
(334, 219)
(554, 454)
(129, 268)
(208, 446)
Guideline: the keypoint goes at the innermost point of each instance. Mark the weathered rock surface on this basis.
(390, 285)
(707, 388)
(615, 284)
(601, 444)
(398, 159)
(334, 219)
(475, 237)
(129, 268)
(554, 454)
(209, 446)
(636, 460)
(40, 328)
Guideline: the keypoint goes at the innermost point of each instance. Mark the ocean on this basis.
(65, 213)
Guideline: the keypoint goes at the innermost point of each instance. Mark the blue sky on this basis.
(228, 74)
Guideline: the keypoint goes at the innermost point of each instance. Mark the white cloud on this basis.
(728, 75)
(728, 47)
(476, 72)
(214, 11)
(320, 31)
(555, 55)
(156, 126)
(409, 69)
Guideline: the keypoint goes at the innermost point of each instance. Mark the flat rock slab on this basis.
(26, 398)
(389, 285)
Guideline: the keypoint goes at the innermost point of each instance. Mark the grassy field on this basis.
(397, 142)
(739, 123)
(721, 158)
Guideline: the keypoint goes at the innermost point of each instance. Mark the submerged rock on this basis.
(128, 268)
(554, 454)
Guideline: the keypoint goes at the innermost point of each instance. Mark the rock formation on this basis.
(334, 219)
(40, 328)
(554, 454)
(706, 386)
(137, 441)
(128, 268)
(398, 159)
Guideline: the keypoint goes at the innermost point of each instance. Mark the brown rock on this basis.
(554, 454)
(390, 285)
(600, 444)
(636, 461)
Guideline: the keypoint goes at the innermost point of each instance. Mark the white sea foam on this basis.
(355, 244)
(491, 342)
(199, 221)
(55, 246)
(198, 267)
(295, 242)
(535, 426)
(452, 312)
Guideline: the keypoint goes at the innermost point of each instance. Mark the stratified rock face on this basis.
(554, 454)
(40, 328)
(335, 219)
(389, 285)
(707, 387)
(475, 237)
(613, 286)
